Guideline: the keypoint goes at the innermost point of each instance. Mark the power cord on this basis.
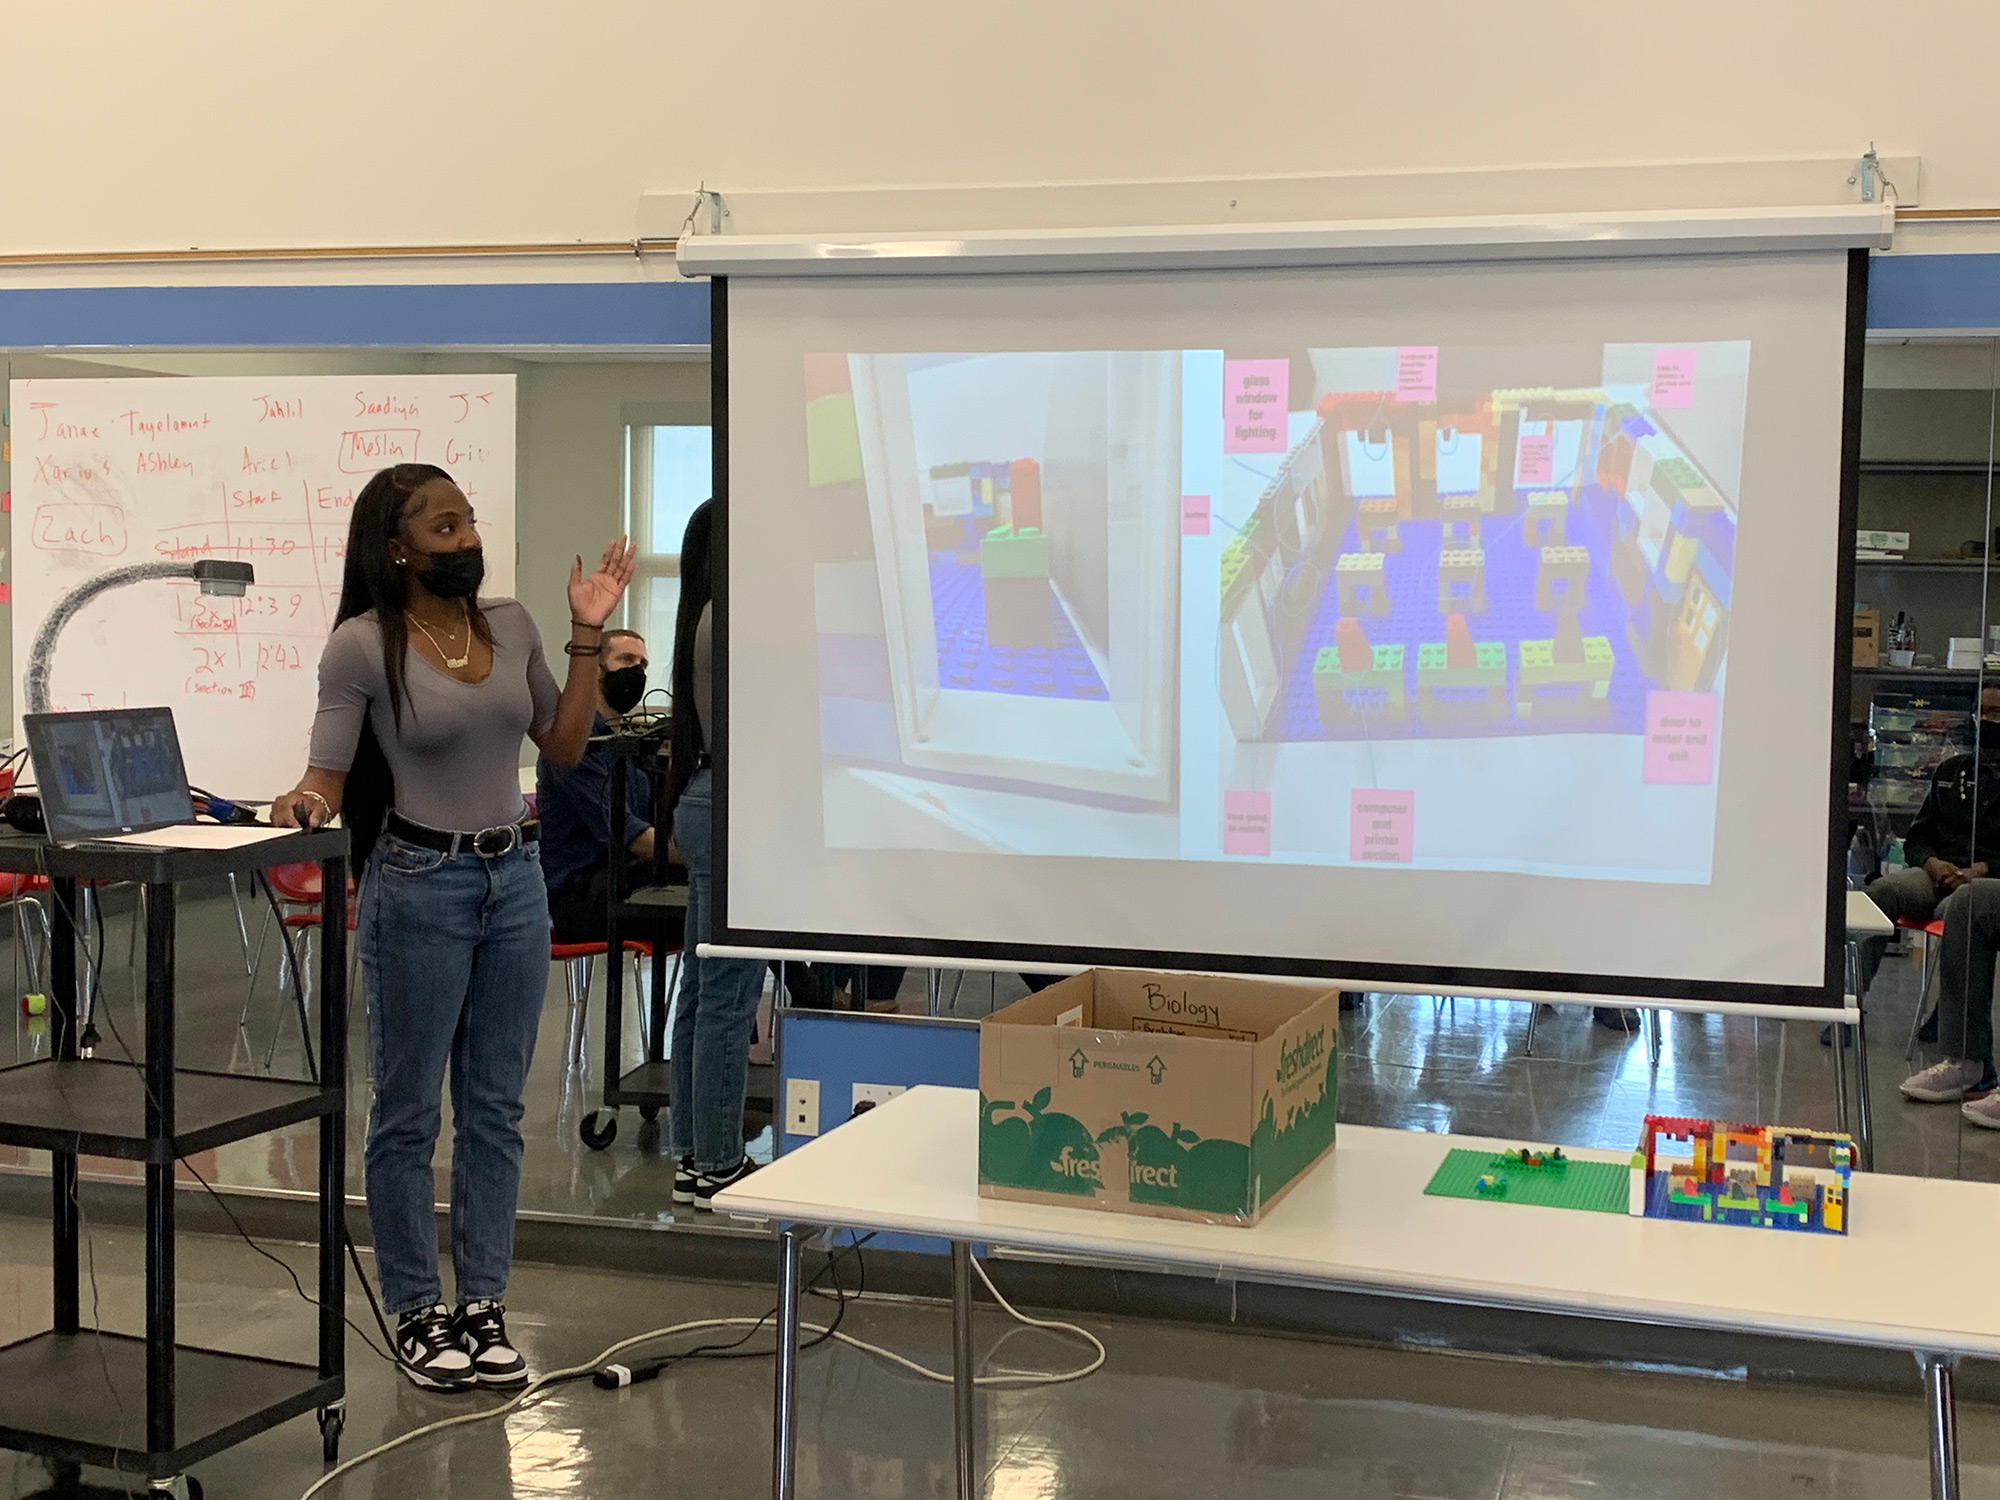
(822, 1334)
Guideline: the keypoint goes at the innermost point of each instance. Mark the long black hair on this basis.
(371, 583)
(690, 735)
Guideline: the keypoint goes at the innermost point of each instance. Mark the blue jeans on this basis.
(455, 950)
(715, 1011)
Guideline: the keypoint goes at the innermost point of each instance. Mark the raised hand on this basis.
(592, 598)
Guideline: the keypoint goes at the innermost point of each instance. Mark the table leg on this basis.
(1840, 1077)
(62, 1001)
(785, 1418)
(962, 1387)
(161, 1396)
(1937, 1370)
(1863, 1106)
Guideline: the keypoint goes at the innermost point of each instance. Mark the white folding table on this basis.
(1914, 1272)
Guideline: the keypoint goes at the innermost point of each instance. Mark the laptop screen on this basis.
(108, 771)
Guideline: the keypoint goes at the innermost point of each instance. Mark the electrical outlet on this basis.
(873, 1094)
(802, 1106)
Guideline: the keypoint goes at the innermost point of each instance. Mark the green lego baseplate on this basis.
(1597, 1187)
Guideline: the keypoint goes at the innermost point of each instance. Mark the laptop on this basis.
(115, 775)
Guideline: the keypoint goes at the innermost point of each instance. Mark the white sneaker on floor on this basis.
(1983, 1112)
(1945, 1082)
(429, 1351)
(482, 1331)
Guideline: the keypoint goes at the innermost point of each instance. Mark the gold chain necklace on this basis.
(452, 663)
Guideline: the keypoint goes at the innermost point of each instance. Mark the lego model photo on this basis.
(1488, 585)
(997, 597)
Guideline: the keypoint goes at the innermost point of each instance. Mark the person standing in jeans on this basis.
(716, 1009)
(425, 693)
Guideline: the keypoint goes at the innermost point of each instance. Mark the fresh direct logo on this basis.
(1301, 1055)
(1156, 1177)
(1069, 1164)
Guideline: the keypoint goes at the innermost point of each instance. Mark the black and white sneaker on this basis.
(686, 1179)
(711, 1183)
(429, 1350)
(482, 1333)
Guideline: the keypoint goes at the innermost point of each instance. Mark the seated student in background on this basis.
(574, 803)
(1949, 848)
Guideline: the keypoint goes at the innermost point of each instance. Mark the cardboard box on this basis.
(1867, 637)
(1178, 1096)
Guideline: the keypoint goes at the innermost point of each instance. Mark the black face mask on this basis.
(455, 575)
(624, 687)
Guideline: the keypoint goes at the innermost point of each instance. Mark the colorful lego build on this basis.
(1760, 1176)
(1538, 1178)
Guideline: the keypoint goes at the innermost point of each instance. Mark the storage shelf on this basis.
(1970, 566)
(54, 1400)
(98, 1106)
(651, 900)
(652, 1083)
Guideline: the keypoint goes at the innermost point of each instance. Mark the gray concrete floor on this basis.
(1177, 1412)
(1408, 1062)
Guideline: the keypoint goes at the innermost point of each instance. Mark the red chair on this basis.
(22, 893)
(297, 890)
(1932, 933)
(579, 962)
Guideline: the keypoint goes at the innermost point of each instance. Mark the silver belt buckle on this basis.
(508, 836)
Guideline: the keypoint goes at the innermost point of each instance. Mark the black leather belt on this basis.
(488, 843)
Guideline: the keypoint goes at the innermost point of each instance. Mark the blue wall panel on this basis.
(841, 1049)
(481, 315)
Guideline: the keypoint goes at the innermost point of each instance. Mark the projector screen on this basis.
(1467, 625)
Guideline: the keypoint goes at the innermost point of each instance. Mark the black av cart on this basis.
(149, 1405)
(653, 912)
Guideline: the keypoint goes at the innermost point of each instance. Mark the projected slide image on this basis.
(1445, 546)
(1005, 663)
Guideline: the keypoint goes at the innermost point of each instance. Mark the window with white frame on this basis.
(667, 474)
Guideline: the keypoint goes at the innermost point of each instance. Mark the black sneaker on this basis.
(429, 1350)
(1615, 1018)
(482, 1334)
(685, 1180)
(712, 1183)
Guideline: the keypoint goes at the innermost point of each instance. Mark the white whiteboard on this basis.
(256, 469)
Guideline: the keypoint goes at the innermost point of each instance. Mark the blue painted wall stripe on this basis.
(1934, 291)
(481, 315)
(1904, 291)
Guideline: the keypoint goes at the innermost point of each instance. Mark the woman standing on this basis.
(425, 692)
(717, 1007)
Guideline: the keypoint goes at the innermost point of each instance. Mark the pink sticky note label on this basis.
(1246, 823)
(6, 500)
(1417, 372)
(1680, 739)
(1673, 377)
(1381, 826)
(1254, 397)
(1194, 515)
(1535, 459)
(6, 593)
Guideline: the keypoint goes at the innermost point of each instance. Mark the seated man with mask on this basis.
(574, 803)
(1952, 848)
